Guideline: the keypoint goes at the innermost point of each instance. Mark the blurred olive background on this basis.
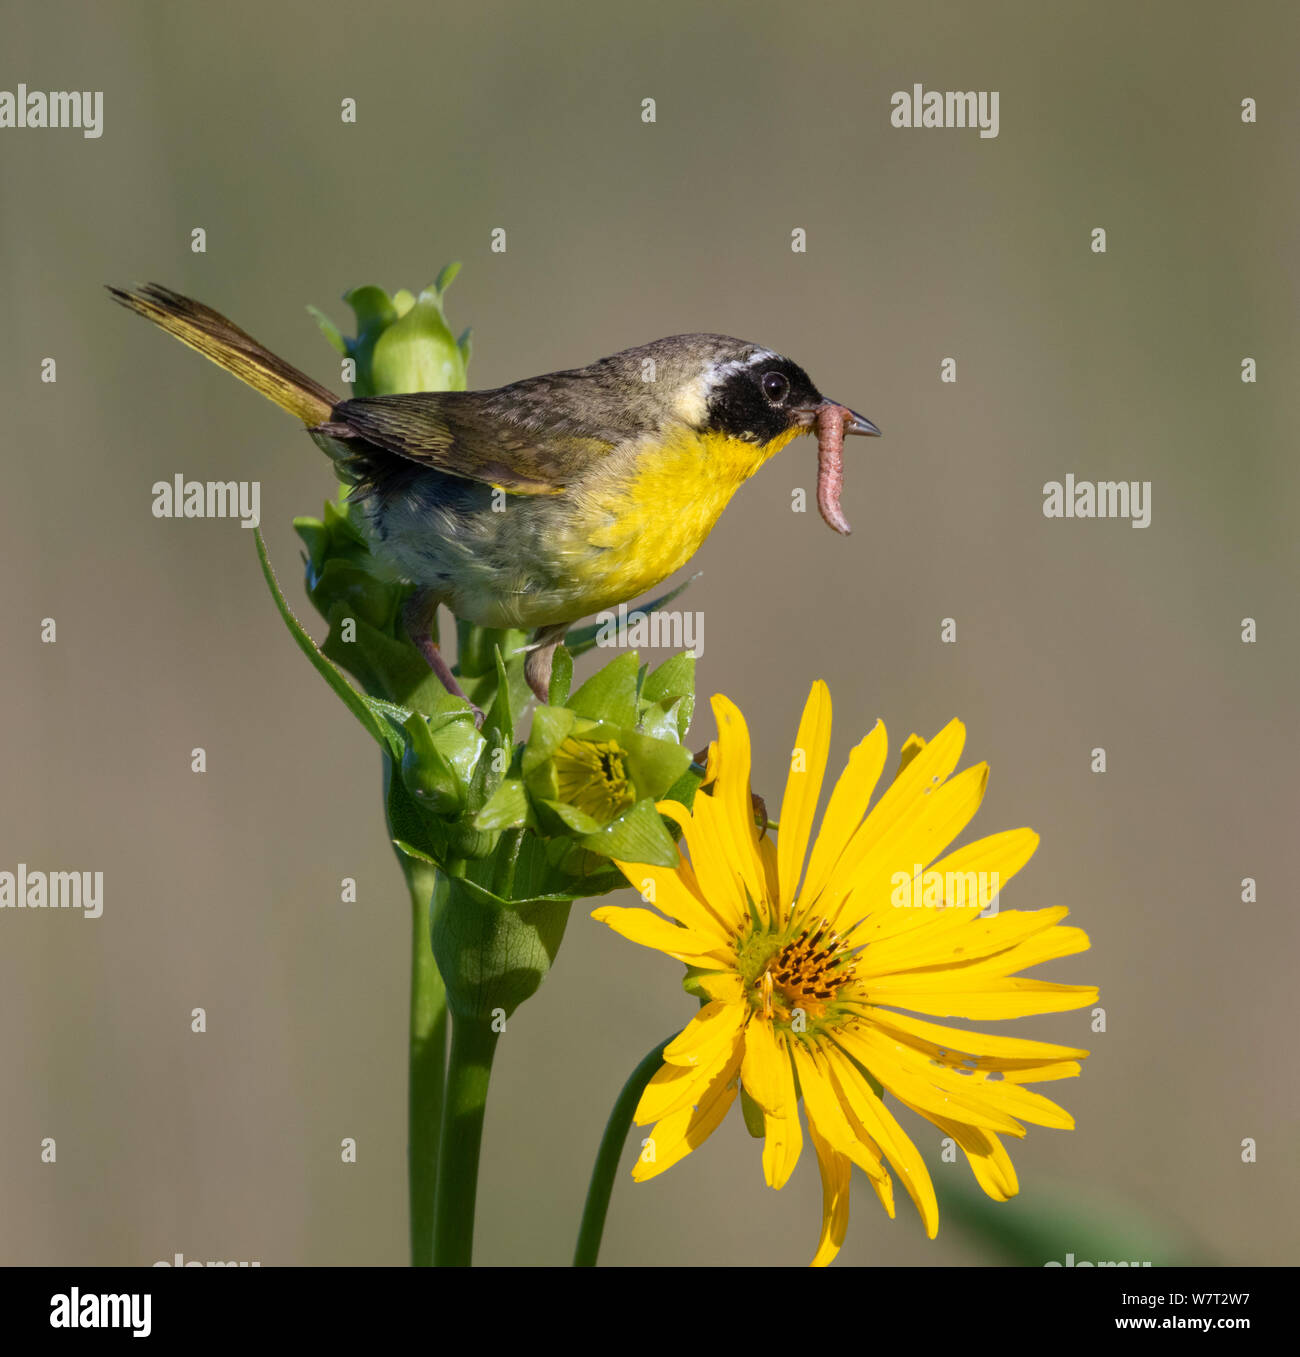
(222, 890)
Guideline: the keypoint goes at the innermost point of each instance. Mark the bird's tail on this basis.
(229, 347)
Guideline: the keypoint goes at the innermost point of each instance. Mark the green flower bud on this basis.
(427, 774)
(439, 760)
(403, 342)
(590, 773)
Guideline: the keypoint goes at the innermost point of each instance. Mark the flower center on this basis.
(590, 775)
(798, 975)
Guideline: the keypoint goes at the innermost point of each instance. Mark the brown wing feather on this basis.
(461, 434)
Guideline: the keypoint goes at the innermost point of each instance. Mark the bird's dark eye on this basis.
(776, 386)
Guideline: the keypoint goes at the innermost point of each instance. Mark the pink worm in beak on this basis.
(830, 464)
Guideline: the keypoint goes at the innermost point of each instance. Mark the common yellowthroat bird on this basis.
(552, 498)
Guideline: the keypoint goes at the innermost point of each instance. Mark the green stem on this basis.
(473, 1044)
(427, 1064)
(611, 1150)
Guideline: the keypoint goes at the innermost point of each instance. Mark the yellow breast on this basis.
(650, 517)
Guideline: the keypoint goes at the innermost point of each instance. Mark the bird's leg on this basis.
(417, 618)
(541, 651)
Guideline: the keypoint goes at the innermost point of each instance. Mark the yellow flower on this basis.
(591, 775)
(805, 966)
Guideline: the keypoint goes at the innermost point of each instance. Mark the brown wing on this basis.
(469, 434)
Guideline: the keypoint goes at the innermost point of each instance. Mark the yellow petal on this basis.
(676, 1086)
(732, 796)
(802, 788)
(1031, 1074)
(716, 880)
(988, 1158)
(725, 985)
(671, 892)
(932, 1089)
(673, 1138)
(716, 1025)
(990, 1051)
(846, 809)
(1049, 945)
(878, 1124)
(907, 795)
(940, 1090)
(869, 883)
(835, 1175)
(825, 1114)
(975, 940)
(783, 1136)
(912, 746)
(954, 994)
(639, 925)
(761, 1071)
(995, 860)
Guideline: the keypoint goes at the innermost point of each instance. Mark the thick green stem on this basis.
(607, 1157)
(473, 1044)
(428, 1065)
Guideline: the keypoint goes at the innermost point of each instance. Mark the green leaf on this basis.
(636, 836)
(407, 822)
(551, 727)
(429, 777)
(493, 953)
(375, 312)
(372, 306)
(570, 817)
(384, 666)
(681, 713)
(507, 808)
(672, 686)
(370, 599)
(344, 532)
(610, 693)
(316, 538)
(410, 851)
(683, 790)
(552, 868)
(477, 647)
(657, 723)
(498, 736)
(331, 331)
(353, 700)
(446, 276)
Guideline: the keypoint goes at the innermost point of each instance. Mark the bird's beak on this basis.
(806, 417)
